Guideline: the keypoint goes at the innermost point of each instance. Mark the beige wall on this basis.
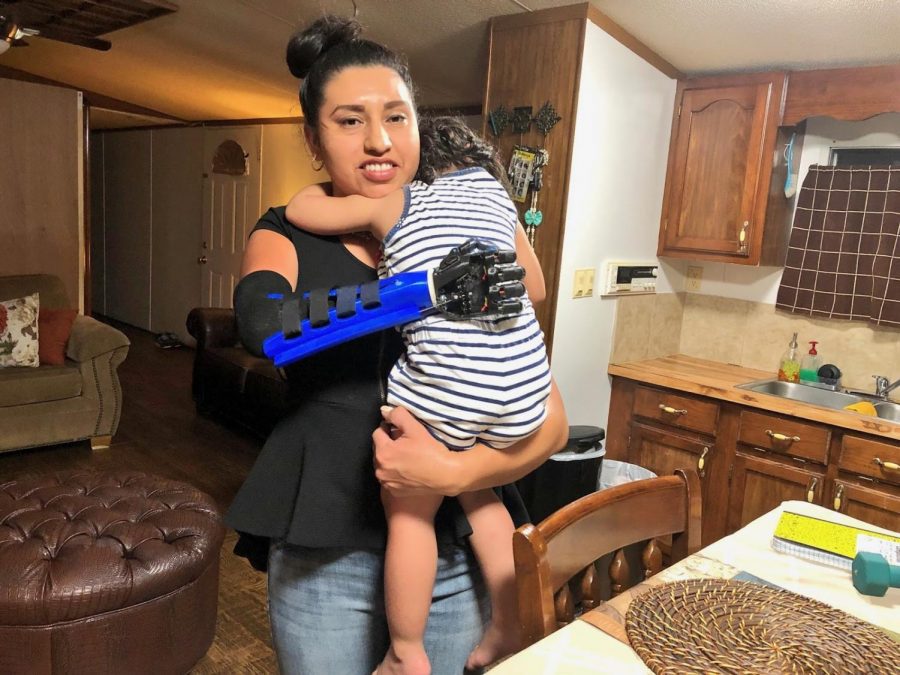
(41, 183)
(286, 164)
(751, 334)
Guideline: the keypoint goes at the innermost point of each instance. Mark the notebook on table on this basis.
(830, 543)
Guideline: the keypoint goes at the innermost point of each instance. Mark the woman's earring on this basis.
(314, 160)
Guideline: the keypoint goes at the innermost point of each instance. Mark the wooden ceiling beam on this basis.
(91, 98)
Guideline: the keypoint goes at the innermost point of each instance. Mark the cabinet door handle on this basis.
(838, 495)
(891, 466)
(781, 438)
(702, 461)
(672, 411)
(742, 237)
(811, 489)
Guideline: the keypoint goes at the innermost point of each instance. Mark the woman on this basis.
(313, 492)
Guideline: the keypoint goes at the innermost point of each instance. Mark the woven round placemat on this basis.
(725, 626)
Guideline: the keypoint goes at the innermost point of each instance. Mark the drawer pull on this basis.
(891, 466)
(702, 461)
(781, 438)
(811, 489)
(838, 496)
(672, 411)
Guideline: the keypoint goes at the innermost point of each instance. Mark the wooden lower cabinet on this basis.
(758, 484)
(866, 502)
(752, 459)
(663, 450)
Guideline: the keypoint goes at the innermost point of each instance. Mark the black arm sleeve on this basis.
(258, 316)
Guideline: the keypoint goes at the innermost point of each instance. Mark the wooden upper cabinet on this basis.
(720, 165)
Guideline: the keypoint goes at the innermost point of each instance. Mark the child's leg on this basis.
(410, 565)
(492, 530)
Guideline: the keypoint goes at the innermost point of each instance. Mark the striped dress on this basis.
(468, 381)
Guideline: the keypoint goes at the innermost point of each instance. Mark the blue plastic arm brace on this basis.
(475, 280)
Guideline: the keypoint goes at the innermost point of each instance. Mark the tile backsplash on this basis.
(750, 334)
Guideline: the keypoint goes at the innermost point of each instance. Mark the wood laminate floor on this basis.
(161, 433)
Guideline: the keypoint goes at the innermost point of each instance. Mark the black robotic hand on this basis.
(478, 280)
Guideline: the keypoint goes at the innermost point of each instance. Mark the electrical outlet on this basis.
(694, 277)
(584, 283)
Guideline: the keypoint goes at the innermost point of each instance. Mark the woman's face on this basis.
(368, 135)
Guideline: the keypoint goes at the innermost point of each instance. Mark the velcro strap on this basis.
(318, 308)
(290, 318)
(369, 295)
(346, 301)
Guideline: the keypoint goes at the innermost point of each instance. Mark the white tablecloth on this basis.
(581, 648)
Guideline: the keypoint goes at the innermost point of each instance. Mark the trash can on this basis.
(568, 475)
(614, 472)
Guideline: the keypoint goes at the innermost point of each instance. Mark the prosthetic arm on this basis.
(475, 280)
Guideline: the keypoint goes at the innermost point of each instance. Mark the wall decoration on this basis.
(521, 167)
(546, 118)
(533, 216)
(521, 119)
(527, 163)
(499, 118)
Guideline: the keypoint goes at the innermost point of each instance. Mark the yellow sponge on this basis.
(863, 408)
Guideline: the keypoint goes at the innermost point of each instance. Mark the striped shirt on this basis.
(479, 380)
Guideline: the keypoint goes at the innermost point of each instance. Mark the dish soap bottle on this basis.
(809, 367)
(789, 367)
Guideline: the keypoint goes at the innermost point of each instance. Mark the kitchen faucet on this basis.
(883, 386)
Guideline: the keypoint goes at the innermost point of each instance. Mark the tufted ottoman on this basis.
(106, 573)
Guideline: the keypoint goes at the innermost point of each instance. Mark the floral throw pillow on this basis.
(19, 332)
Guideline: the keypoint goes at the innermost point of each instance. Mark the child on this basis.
(475, 381)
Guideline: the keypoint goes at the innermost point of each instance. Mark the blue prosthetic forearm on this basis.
(348, 313)
(475, 280)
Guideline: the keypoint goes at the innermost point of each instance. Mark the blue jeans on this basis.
(326, 607)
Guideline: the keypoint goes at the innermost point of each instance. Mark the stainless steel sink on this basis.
(803, 392)
(822, 397)
(888, 410)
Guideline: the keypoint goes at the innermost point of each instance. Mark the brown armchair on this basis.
(229, 381)
(76, 400)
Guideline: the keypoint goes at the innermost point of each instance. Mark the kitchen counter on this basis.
(720, 380)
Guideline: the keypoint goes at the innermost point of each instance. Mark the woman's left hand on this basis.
(409, 461)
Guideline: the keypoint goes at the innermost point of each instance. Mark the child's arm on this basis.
(315, 210)
(534, 276)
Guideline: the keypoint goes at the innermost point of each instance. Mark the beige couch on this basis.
(57, 404)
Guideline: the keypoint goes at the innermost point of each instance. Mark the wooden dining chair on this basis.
(555, 559)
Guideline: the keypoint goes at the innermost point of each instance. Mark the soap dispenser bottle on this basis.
(789, 366)
(809, 367)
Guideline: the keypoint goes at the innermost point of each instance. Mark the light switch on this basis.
(584, 282)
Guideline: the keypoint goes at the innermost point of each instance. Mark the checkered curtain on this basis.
(843, 260)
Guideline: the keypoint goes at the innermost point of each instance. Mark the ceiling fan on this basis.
(76, 22)
(14, 30)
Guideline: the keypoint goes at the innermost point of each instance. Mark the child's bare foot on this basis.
(497, 642)
(404, 661)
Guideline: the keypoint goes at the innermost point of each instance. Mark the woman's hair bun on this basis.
(307, 45)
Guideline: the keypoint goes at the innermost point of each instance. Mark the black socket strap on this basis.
(369, 295)
(318, 307)
(346, 301)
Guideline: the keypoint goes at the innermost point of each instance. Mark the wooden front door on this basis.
(231, 207)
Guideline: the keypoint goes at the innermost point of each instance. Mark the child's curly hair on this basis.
(448, 143)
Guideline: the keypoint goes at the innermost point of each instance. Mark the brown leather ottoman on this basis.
(106, 573)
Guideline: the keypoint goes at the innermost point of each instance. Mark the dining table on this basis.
(596, 642)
